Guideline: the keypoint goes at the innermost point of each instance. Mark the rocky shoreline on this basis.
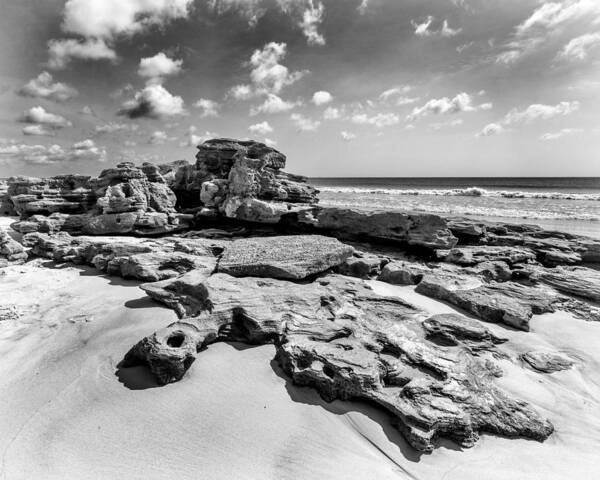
(242, 251)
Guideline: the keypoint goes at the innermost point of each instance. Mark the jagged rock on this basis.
(553, 257)
(337, 336)
(467, 230)
(477, 254)
(418, 230)
(453, 329)
(547, 362)
(580, 281)
(509, 303)
(361, 265)
(403, 273)
(291, 257)
(10, 249)
(497, 270)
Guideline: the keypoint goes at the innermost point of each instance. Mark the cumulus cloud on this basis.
(209, 108)
(113, 127)
(159, 137)
(37, 130)
(61, 52)
(40, 116)
(311, 19)
(260, 128)
(241, 92)
(43, 86)
(304, 124)
(490, 129)
(53, 154)
(154, 101)
(579, 47)
(332, 113)
(155, 69)
(379, 120)
(273, 104)
(565, 132)
(427, 29)
(538, 111)
(347, 136)
(267, 74)
(463, 102)
(322, 98)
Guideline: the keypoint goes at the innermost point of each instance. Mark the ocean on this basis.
(565, 204)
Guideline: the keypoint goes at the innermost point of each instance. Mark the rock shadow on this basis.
(138, 377)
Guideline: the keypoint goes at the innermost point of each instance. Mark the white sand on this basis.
(64, 414)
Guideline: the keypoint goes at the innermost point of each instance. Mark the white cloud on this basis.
(304, 124)
(565, 132)
(311, 19)
(193, 139)
(579, 47)
(422, 29)
(379, 120)
(362, 8)
(452, 123)
(61, 52)
(87, 110)
(347, 136)
(490, 129)
(38, 130)
(540, 112)
(154, 101)
(447, 31)
(462, 102)
(113, 127)
(209, 108)
(322, 98)
(40, 116)
(43, 86)
(332, 113)
(159, 137)
(273, 104)
(267, 74)
(53, 154)
(260, 128)
(156, 68)
(395, 92)
(425, 29)
(241, 92)
(270, 143)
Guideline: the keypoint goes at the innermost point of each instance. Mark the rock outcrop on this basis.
(403, 273)
(579, 281)
(547, 362)
(337, 336)
(11, 251)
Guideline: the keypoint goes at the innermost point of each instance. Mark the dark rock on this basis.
(7, 207)
(337, 336)
(291, 257)
(580, 281)
(403, 273)
(466, 230)
(477, 254)
(361, 265)
(547, 362)
(497, 270)
(453, 329)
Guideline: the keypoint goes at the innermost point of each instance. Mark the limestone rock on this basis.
(580, 281)
(337, 336)
(291, 257)
(473, 255)
(453, 329)
(547, 362)
(403, 273)
(10, 249)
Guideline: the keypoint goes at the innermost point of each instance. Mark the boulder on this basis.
(338, 337)
(361, 265)
(547, 362)
(292, 257)
(403, 273)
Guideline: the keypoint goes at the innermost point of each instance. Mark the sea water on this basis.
(565, 204)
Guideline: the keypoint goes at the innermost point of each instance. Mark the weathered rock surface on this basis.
(11, 250)
(7, 208)
(473, 255)
(403, 273)
(361, 265)
(290, 257)
(580, 281)
(510, 303)
(452, 329)
(340, 338)
(547, 362)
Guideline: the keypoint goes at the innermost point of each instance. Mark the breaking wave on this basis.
(464, 192)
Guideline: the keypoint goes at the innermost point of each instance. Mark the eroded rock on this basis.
(403, 273)
(547, 362)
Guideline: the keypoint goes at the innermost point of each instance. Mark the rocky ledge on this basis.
(242, 251)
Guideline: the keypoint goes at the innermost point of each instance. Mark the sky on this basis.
(342, 87)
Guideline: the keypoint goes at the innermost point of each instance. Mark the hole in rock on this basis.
(175, 340)
(327, 370)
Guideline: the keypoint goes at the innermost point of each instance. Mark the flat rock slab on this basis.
(339, 337)
(580, 281)
(547, 362)
(287, 257)
(473, 255)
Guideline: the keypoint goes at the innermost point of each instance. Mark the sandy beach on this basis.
(68, 411)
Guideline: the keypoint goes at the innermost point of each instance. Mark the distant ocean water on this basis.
(567, 203)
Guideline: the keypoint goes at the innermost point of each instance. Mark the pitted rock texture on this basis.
(291, 257)
(337, 336)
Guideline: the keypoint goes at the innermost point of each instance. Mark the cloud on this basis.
(193, 140)
(273, 104)
(462, 102)
(113, 127)
(311, 19)
(540, 112)
(40, 116)
(379, 120)
(241, 92)
(347, 136)
(159, 137)
(53, 154)
(43, 86)
(453, 123)
(322, 98)
(270, 143)
(579, 47)
(332, 113)
(362, 7)
(260, 128)
(156, 68)
(304, 124)
(154, 101)
(425, 29)
(490, 129)
(87, 110)
(38, 130)
(267, 74)
(251, 10)
(565, 132)
(61, 52)
(209, 108)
